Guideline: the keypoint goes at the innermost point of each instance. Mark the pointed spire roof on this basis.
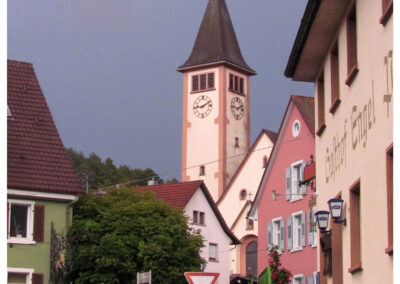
(216, 41)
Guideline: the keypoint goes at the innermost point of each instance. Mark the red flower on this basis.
(273, 254)
(287, 278)
(274, 275)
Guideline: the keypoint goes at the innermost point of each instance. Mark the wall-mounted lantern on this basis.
(322, 221)
(335, 206)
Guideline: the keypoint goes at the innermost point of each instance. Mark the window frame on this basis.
(295, 196)
(355, 227)
(215, 245)
(27, 271)
(295, 228)
(236, 84)
(297, 277)
(335, 85)
(313, 232)
(202, 170)
(320, 84)
(207, 79)
(351, 37)
(389, 192)
(198, 218)
(29, 220)
(275, 232)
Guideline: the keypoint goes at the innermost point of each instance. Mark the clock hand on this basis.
(205, 104)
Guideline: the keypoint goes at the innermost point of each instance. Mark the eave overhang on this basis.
(234, 66)
(319, 26)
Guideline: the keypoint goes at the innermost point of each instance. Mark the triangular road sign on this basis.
(201, 277)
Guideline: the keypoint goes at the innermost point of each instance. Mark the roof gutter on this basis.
(302, 35)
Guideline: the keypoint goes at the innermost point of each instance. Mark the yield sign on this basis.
(201, 277)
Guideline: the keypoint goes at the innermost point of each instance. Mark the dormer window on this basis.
(203, 82)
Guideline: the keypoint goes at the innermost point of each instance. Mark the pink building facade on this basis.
(286, 220)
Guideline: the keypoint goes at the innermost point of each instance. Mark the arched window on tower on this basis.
(265, 162)
(236, 142)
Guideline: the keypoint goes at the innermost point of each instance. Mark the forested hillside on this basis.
(99, 174)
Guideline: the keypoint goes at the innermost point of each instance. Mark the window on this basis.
(265, 162)
(387, 11)
(195, 217)
(352, 68)
(276, 233)
(296, 128)
(335, 97)
(202, 171)
(299, 279)
(355, 230)
(243, 194)
(198, 218)
(294, 177)
(210, 80)
(195, 83)
(203, 82)
(236, 142)
(321, 104)
(236, 84)
(249, 224)
(22, 275)
(213, 252)
(201, 218)
(314, 278)
(312, 228)
(297, 240)
(389, 189)
(25, 225)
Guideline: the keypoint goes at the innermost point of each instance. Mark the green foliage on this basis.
(116, 235)
(102, 174)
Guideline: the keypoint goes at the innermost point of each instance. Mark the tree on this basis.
(116, 235)
(102, 174)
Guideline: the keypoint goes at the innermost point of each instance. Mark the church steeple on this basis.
(216, 41)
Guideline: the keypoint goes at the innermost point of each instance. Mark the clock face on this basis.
(202, 106)
(237, 108)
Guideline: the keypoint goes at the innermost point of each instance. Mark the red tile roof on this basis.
(36, 157)
(306, 107)
(178, 195)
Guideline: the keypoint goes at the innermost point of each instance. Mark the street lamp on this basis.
(335, 206)
(322, 221)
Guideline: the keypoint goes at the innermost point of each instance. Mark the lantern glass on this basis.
(335, 206)
(322, 219)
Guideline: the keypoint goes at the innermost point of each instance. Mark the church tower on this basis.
(216, 97)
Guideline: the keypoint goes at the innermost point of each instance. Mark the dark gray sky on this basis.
(107, 69)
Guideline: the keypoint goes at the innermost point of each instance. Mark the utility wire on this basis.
(207, 163)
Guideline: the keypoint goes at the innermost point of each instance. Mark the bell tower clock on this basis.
(216, 97)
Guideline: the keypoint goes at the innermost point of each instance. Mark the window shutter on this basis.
(37, 278)
(8, 217)
(303, 187)
(303, 280)
(288, 183)
(282, 248)
(269, 235)
(317, 278)
(289, 233)
(310, 229)
(303, 229)
(38, 223)
(311, 279)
